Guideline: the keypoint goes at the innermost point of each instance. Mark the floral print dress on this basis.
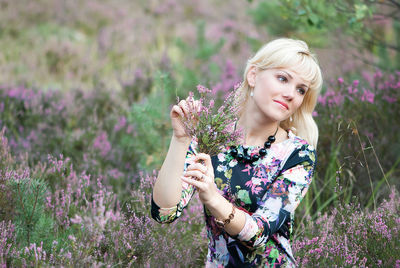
(268, 191)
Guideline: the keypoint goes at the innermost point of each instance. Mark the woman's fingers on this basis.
(204, 183)
(188, 107)
(197, 166)
(176, 109)
(207, 161)
(194, 106)
(194, 173)
(205, 157)
(184, 106)
(198, 184)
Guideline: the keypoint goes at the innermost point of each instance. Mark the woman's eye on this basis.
(282, 78)
(302, 91)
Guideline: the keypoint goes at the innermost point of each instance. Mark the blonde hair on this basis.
(293, 54)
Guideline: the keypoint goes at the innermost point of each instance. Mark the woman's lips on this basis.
(283, 104)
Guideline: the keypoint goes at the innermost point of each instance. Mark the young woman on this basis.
(250, 192)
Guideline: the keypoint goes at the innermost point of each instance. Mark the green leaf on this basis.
(313, 19)
(361, 11)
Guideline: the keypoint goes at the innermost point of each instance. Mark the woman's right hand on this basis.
(178, 113)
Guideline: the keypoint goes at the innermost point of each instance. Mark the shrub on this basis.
(350, 236)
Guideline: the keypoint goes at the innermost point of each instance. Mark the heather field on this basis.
(85, 93)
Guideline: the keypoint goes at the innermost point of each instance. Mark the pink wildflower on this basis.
(202, 89)
(368, 96)
(121, 123)
(102, 144)
(352, 90)
(378, 74)
(389, 99)
(209, 129)
(322, 99)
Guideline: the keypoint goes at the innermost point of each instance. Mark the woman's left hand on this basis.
(202, 177)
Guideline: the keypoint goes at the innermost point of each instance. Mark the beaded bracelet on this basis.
(226, 221)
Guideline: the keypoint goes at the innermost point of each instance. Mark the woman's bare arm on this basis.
(168, 186)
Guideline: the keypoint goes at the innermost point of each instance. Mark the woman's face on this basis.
(278, 93)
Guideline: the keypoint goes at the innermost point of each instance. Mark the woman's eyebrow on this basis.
(291, 77)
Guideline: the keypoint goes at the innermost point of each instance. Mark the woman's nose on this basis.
(288, 94)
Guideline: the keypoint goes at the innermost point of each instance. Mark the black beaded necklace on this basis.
(246, 158)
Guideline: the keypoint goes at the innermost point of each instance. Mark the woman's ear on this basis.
(251, 76)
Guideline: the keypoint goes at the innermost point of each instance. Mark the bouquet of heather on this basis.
(214, 131)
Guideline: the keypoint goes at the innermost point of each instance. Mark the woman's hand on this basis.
(202, 177)
(181, 111)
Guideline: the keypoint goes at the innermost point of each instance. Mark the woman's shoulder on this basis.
(298, 142)
(299, 150)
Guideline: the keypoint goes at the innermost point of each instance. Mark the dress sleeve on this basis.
(283, 197)
(168, 215)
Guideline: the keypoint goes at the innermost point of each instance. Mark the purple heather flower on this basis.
(208, 128)
(102, 144)
(322, 99)
(202, 89)
(352, 90)
(368, 96)
(138, 74)
(378, 74)
(389, 99)
(121, 123)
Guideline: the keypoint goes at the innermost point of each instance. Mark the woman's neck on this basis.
(256, 129)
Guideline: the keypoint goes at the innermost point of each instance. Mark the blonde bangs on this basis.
(296, 58)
